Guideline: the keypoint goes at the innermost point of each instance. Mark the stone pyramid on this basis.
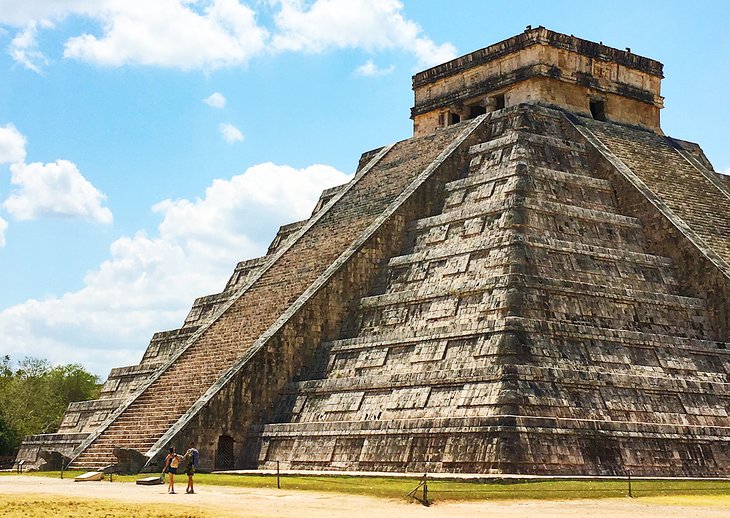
(537, 282)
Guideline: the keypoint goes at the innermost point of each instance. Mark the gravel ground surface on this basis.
(233, 501)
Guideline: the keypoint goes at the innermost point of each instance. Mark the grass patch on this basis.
(443, 490)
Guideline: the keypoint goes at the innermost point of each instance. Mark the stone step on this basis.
(463, 287)
(485, 424)
(592, 376)
(553, 329)
(495, 173)
(508, 237)
(528, 204)
(513, 137)
(549, 184)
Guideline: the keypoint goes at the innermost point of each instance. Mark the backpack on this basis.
(188, 459)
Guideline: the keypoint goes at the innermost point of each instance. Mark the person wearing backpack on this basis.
(172, 462)
(191, 464)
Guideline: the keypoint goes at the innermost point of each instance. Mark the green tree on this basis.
(34, 396)
(9, 438)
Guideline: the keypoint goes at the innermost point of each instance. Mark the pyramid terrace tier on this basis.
(498, 339)
(546, 184)
(572, 391)
(547, 219)
(548, 343)
(503, 252)
(495, 444)
(458, 302)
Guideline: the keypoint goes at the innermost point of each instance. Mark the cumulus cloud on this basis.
(231, 134)
(224, 34)
(218, 33)
(56, 190)
(3, 228)
(138, 289)
(24, 49)
(12, 145)
(216, 100)
(370, 69)
(366, 24)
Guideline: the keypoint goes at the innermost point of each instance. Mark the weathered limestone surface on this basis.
(526, 328)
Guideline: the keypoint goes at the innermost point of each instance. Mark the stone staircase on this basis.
(524, 328)
(227, 332)
(693, 197)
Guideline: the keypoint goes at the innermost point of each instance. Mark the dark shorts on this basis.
(172, 470)
(190, 471)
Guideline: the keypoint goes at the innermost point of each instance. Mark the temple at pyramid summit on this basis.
(537, 282)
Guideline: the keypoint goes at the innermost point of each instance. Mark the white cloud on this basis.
(231, 134)
(138, 290)
(24, 49)
(370, 69)
(12, 145)
(3, 228)
(149, 33)
(13, 12)
(216, 100)
(55, 189)
(366, 24)
(219, 33)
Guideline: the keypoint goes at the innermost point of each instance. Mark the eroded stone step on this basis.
(553, 185)
(578, 289)
(470, 379)
(490, 174)
(486, 424)
(527, 204)
(516, 136)
(507, 238)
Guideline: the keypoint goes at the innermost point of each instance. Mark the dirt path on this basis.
(230, 501)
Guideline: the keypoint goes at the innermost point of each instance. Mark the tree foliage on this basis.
(34, 395)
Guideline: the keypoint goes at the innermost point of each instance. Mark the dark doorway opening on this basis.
(224, 454)
(499, 102)
(476, 110)
(453, 118)
(598, 110)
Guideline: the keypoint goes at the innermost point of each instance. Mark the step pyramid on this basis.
(536, 282)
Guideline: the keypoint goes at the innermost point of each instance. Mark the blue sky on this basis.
(146, 147)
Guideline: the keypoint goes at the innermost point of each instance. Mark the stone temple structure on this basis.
(536, 282)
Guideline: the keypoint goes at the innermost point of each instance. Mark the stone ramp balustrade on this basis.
(685, 191)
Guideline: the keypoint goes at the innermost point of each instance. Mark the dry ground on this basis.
(38, 496)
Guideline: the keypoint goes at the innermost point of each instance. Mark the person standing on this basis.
(172, 461)
(191, 464)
